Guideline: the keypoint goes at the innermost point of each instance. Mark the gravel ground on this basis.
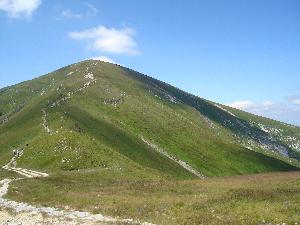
(19, 213)
(25, 218)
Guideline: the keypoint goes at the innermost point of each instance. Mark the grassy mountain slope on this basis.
(122, 144)
(95, 115)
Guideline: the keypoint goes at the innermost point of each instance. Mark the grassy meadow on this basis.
(270, 198)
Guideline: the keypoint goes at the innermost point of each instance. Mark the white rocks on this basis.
(291, 142)
(44, 122)
(180, 162)
(27, 218)
(65, 160)
(70, 73)
(171, 98)
(89, 76)
(220, 107)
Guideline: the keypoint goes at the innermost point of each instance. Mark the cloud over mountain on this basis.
(112, 40)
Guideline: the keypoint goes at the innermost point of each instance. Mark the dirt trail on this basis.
(26, 214)
(24, 218)
(44, 123)
(89, 81)
(11, 166)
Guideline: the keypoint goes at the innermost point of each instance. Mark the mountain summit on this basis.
(95, 115)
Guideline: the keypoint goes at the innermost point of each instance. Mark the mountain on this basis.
(94, 139)
(97, 115)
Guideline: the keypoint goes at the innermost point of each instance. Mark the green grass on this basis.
(271, 198)
(98, 162)
(103, 124)
(8, 174)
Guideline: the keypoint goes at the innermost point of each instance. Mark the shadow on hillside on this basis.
(236, 125)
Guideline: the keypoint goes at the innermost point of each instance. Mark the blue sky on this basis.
(237, 52)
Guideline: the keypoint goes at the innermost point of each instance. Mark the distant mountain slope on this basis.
(94, 115)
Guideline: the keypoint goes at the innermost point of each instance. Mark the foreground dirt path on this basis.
(25, 218)
(12, 212)
(19, 213)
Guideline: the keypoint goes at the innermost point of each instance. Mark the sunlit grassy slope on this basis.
(93, 115)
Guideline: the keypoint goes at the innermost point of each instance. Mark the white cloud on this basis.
(296, 101)
(278, 111)
(243, 105)
(249, 105)
(19, 8)
(104, 59)
(267, 103)
(90, 11)
(101, 38)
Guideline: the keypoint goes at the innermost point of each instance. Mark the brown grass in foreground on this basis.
(270, 198)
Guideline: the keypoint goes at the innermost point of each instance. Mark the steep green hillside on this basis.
(100, 116)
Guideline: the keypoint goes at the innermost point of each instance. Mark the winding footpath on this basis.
(11, 166)
(19, 213)
(89, 81)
